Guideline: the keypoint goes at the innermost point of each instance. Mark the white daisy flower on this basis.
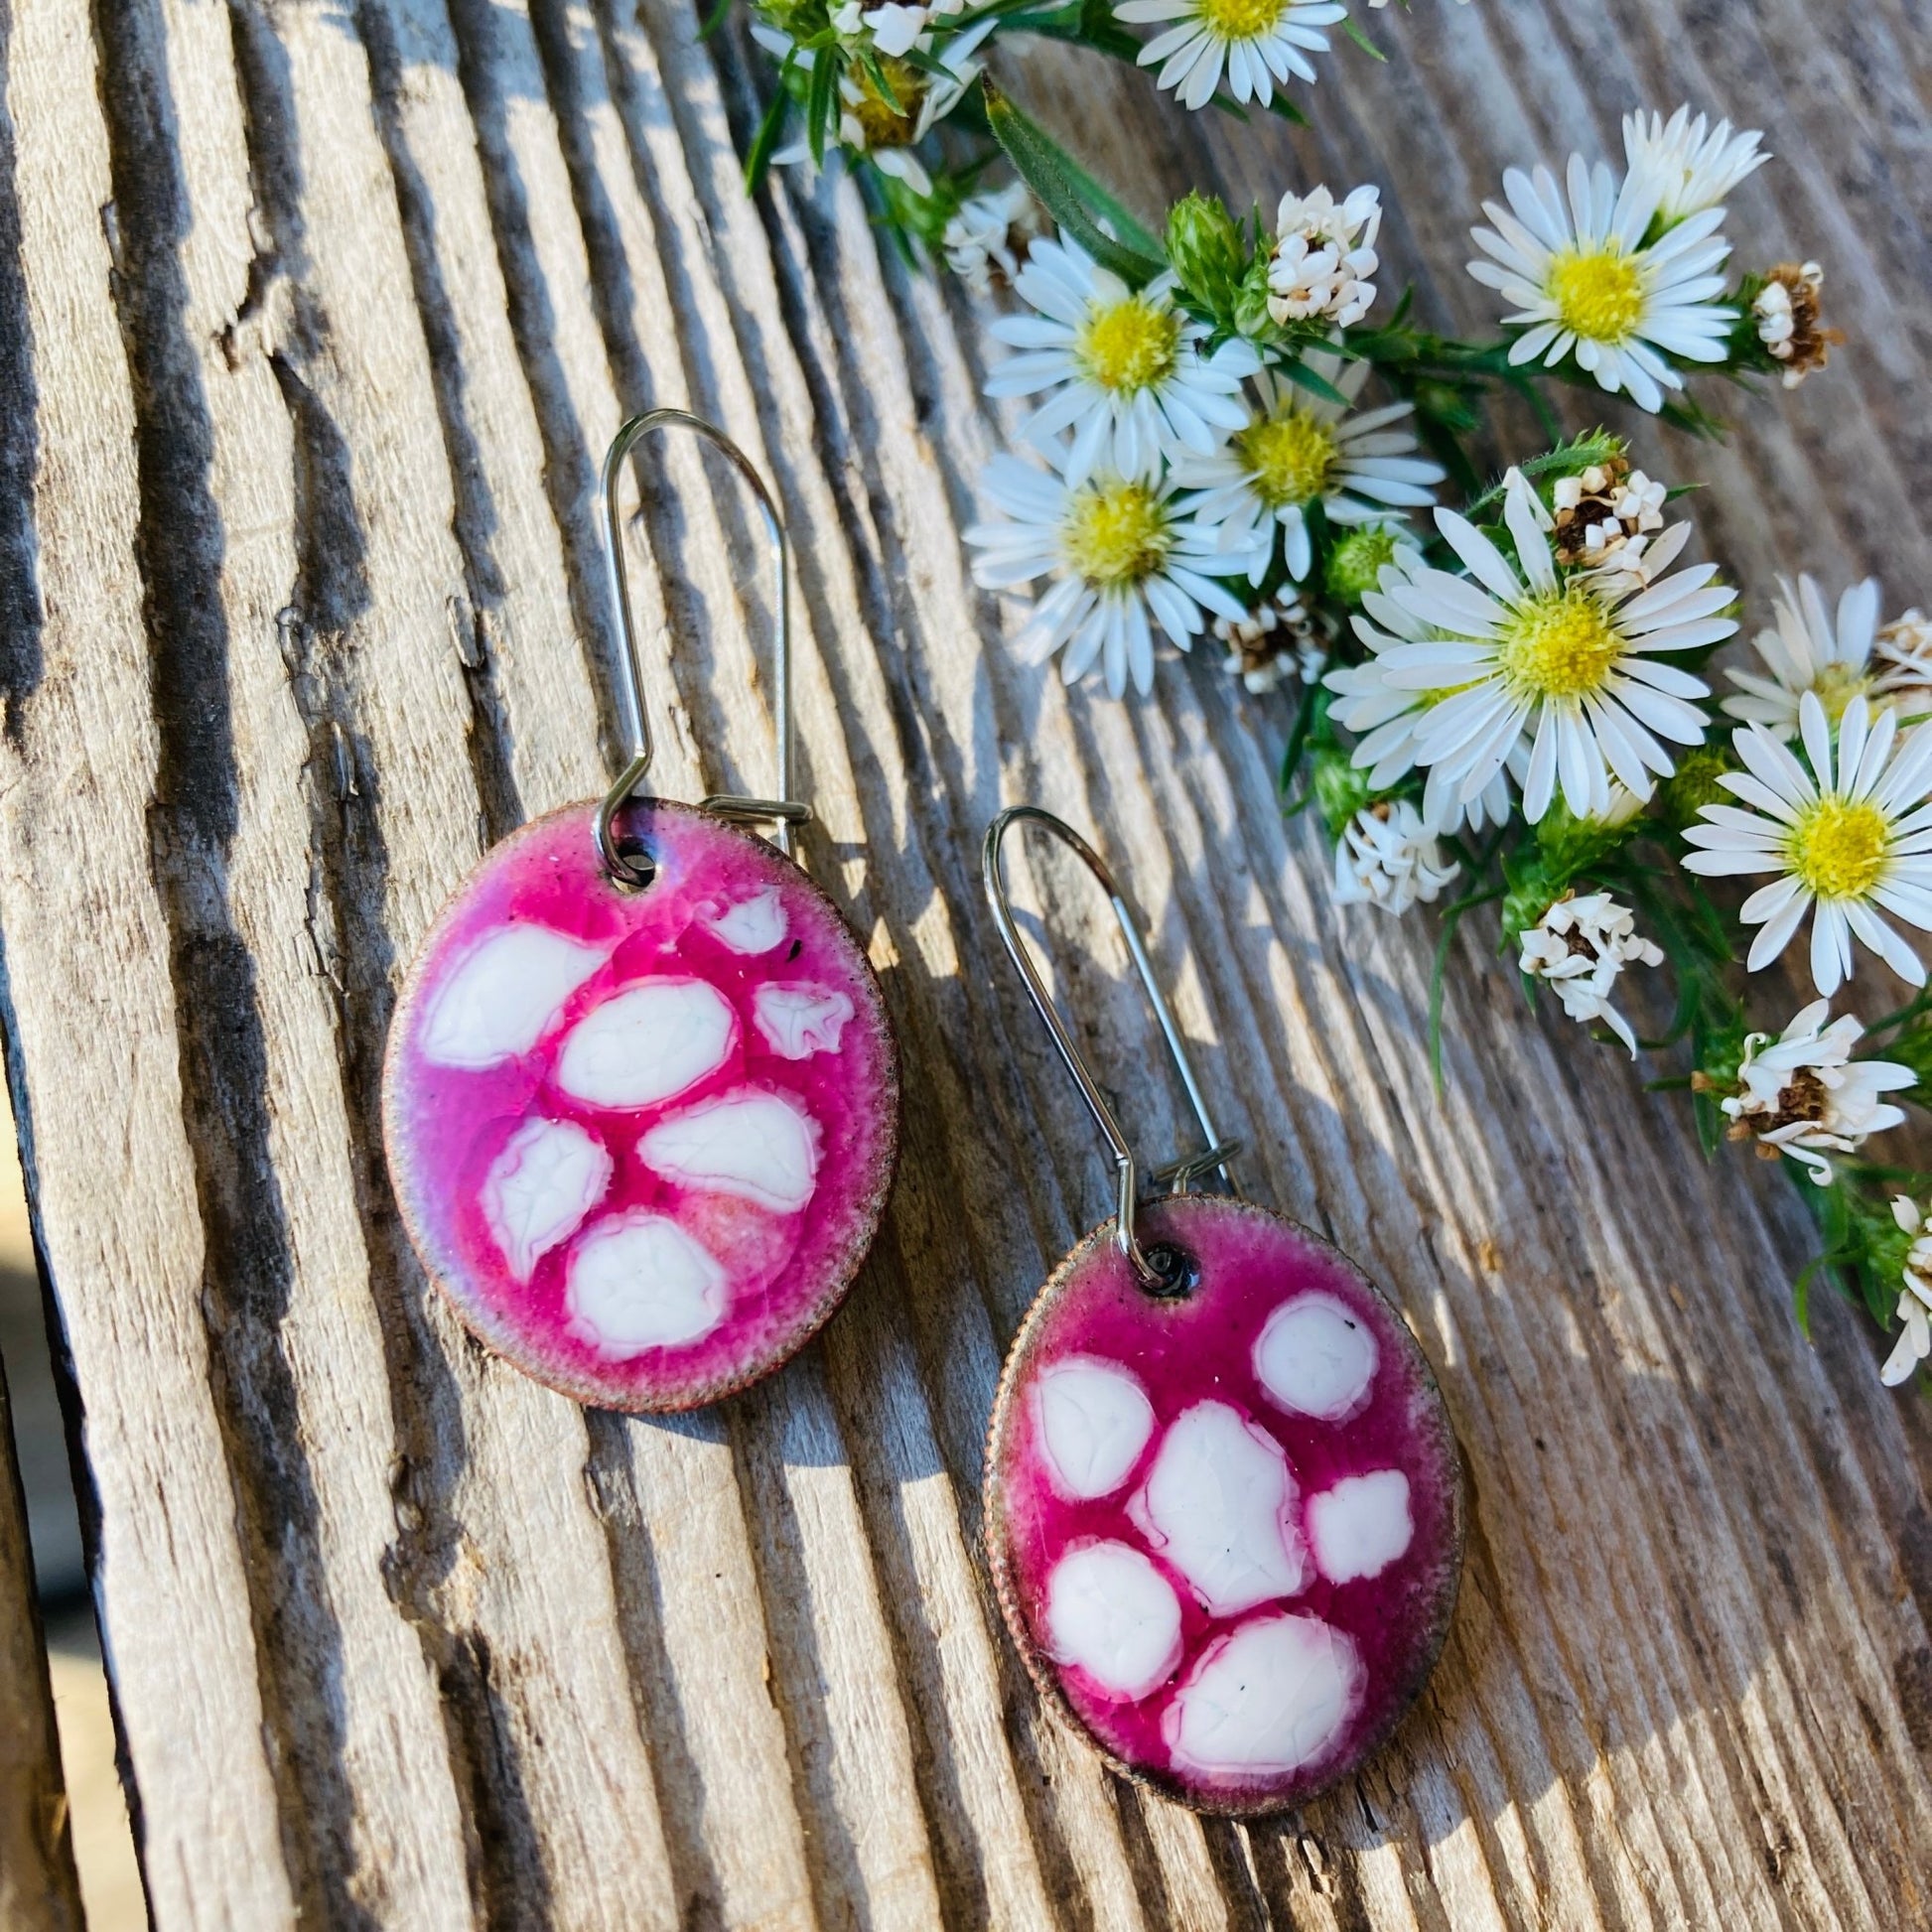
(1581, 946)
(1848, 845)
(1388, 857)
(987, 233)
(1693, 165)
(868, 123)
(1297, 449)
(1915, 1297)
(1585, 283)
(1258, 41)
(1387, 719)
(1121, 551)
(1325, 254)
(1130, 382)
(1839, 655)
(1805, 1096)
(1573, 660)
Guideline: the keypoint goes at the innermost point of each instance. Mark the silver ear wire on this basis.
(1176, 1175)
(784, 811)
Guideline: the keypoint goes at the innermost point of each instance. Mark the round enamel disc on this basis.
(1226, 1527)
(641, 1140)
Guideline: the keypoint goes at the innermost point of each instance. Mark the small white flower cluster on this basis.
(1273, 642)
(1615, 518)
(1915, 1296)
(1904, 647)
(893, 28)
(1623, 275)
(988, 233)
(1388, 856)
(1787, 312)
(1324, 255)
(1581, 946)
(1805, 1096)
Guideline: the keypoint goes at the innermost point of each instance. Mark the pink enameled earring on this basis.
(640, 1100)
(1224, 1503)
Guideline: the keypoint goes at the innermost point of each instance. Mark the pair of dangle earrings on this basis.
(641, 1105)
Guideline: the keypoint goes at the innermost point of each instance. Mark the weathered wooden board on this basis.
(314, 318)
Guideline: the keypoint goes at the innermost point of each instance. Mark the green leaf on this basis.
(819, 104)
(877, 74)
(1309, 714)
(1129, 229)
(758, 162)
(1362, 41)
(1304, 377)
(1056, 180)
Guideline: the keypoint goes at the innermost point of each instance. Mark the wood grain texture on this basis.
(314, 317)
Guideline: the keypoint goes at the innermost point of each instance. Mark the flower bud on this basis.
(1204, 246)
(1355, 564)
(1695, 785)
(1341, 788)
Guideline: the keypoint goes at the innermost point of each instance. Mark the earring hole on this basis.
(638, 862)
(1175, 1271)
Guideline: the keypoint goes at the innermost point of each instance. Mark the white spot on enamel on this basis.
(1268, 1697)
(1219, 1505)
(1361, 1525)
(503, 996)
(639, 1280)
(761, 1146)
(1111, 1612)
(1094, 1421)
(754, 924)
(800, 1020)
(646, 1044)
(549, 1176)
(1317, 1358)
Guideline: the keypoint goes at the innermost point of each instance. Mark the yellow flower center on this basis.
(1838, 847)
(884, 124)
(1242, 20)
(1836, 685)
(1117, 534)
(1598, 292)
(1130, 346)
(1293, 457)
(1558, 644)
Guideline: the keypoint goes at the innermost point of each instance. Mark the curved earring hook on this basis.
(784, 812)
(1176, 1175)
